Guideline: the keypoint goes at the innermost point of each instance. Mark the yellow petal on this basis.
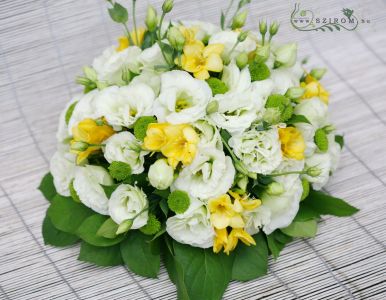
(214, 63)
(194, 48)
(220, 220)
(191, 63)
(220, 240)
(123, 43)
(250, 204)
(213, 49)
(202, 74)
(236, 221)
(190, 135)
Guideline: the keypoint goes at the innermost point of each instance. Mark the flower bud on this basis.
(329, 128)
(125, 226)
(286, 55)
(167, 6)
(239, 20)
(262, 53)
(151, 18)
(90, 73)
(313, 171)
(242, 36)
(79, 146)
(242, 181)
(263, 27)
(272, 115)
(176, 38)
(295, 92)
(275, 188)
(318, 73)
(161, 174)
(242, 60)
(212, 107)
(274, 28)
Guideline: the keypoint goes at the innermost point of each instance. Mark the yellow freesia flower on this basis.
(124, 40)
(177, 142)
(244, 203)
(220, 240)
(292, 143)
(89, 132)
(189, 34)
(199, 60)
(234, 237)
(313, 88)
(223, 214)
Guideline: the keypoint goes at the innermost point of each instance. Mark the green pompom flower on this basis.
(119, 170)
(152, 227)
(321, 140)
(140, 126)
(178, 201)
(283, 104)
(259, 71)
(306, 189)
(217, 86)
(73, 193)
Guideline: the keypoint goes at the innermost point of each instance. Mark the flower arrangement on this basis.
(206, 146)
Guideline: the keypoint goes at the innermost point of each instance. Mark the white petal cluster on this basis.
(62, 168)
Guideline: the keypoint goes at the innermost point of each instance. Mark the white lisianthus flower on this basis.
(110, 65)
(183, 99)
(322, 161)
(235, 79)
(229, 38)
(308, 133)
(161, 174)
(149, 77)
(126, 148)
(62, 168)
(210, 174)
(334, 150)
(237, 111)
(283, 208)
(193, 227)
(122, 106)
(285, 78)
(152, 57)
(256, 219)
(203, 29)
(315, 110)
(260, 151)
(209, 135)
(88, 183)
(127, 202)
(85, 108)
(62, 134)
(286, 54)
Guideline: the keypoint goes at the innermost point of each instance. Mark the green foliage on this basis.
(73, 193)
(141, 256)
(55, 237)
(69, 112)
(306, 189)
(324, 204)
(108, 229)
(298, 119)
(259, 71)
(87, 231)
(118, 13)
(306, 213)
(109, 189)
(47, 187)
(301, 229)
(321, 140)
(340, 140)
(101, 256)
(140, 126)
(119, 170)
(277, 240)
(217, 86)
(250, 261)
(178, 201)
(152, 227)
(282, 103)
(66, 214)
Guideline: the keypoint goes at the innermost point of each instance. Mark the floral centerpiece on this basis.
(205, 146)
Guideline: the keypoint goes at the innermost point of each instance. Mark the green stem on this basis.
(160, 25)
(227, 11)
(135, 23)
(233, 48)
(263, 38)
(128, 34)
(163, 54)
(288, 173)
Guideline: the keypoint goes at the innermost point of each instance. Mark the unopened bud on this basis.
(242, 60)
(239, 20)
(90, 73)
(274, 28)
(295, 92)
(318, 73)
(263, 27)
(151, 18)
(167, 6)
(329, 128)
(124, 226)
(275, 188)
(79, 146)
(212, 107)
(176, 38)
(242, 181)
(286, 55)
(313, 171)
(242, 36)
(262, 53)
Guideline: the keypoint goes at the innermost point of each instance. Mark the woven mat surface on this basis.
(43, 45)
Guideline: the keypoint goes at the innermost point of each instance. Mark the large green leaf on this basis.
(47, 187)
(55, 237)
(66, 214)
(140, 255)
(277, 241)
(202, 274)
(306, 213)
(327, 205)
(101, 256)
(87, 231)
(301, 229)
(250, 261)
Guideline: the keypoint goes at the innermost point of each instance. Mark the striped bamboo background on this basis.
(44, 43)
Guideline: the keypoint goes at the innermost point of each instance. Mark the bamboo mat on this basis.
(43, 45)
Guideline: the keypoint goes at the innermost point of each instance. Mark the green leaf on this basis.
(306, 213)
(55, 237)
(327, 205)
(108, 229)
(250, 261)
(222, 20)
(69, 112)
(202, 274)
(141, 256)
(66, 214)
(340, 140)
(118, 13)
(301, 229)
(87, 231)
(109, 189)
(168, 52)
(298, 119)
(277, 241)
(163, 204)
(47, 187)
(101, 256)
